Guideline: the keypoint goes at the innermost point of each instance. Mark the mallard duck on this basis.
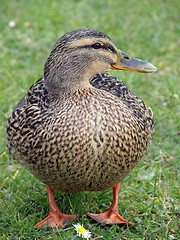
(79, 128)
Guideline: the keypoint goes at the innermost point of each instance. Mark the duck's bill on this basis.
(126, 62)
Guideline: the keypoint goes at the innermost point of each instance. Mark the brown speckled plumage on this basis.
(82, 137)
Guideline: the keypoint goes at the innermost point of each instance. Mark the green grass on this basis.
(149, 196)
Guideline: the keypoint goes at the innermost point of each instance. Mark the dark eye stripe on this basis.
(107, 47)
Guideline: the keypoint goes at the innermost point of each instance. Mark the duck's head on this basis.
(80, 54)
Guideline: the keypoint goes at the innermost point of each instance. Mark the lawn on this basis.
(149, 196)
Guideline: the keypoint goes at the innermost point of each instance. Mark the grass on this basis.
(149, 196)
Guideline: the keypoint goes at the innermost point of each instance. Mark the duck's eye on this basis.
(96, 45)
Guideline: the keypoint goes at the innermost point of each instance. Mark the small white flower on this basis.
(12, 24)
(81, 231)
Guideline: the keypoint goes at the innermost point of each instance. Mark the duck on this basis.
(79, 128)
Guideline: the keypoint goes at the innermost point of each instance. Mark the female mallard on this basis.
(78, 129)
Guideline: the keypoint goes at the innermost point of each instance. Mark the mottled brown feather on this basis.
(86, 139)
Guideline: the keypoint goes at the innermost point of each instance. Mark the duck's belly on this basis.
(88, 152)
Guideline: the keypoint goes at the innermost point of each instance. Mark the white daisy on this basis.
(81, 231)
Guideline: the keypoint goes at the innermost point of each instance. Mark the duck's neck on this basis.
(59, 86)
(62, 75)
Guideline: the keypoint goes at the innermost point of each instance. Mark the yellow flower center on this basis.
(81, 230)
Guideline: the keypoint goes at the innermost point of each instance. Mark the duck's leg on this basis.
(112, 214)
(55, 217)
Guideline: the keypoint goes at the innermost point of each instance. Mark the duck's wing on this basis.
(37, 94)
(116, 87)
(111, 84)
(23, 116)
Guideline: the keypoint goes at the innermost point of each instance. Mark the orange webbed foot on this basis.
(55, 217)
(108, 217)
(111, 216)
